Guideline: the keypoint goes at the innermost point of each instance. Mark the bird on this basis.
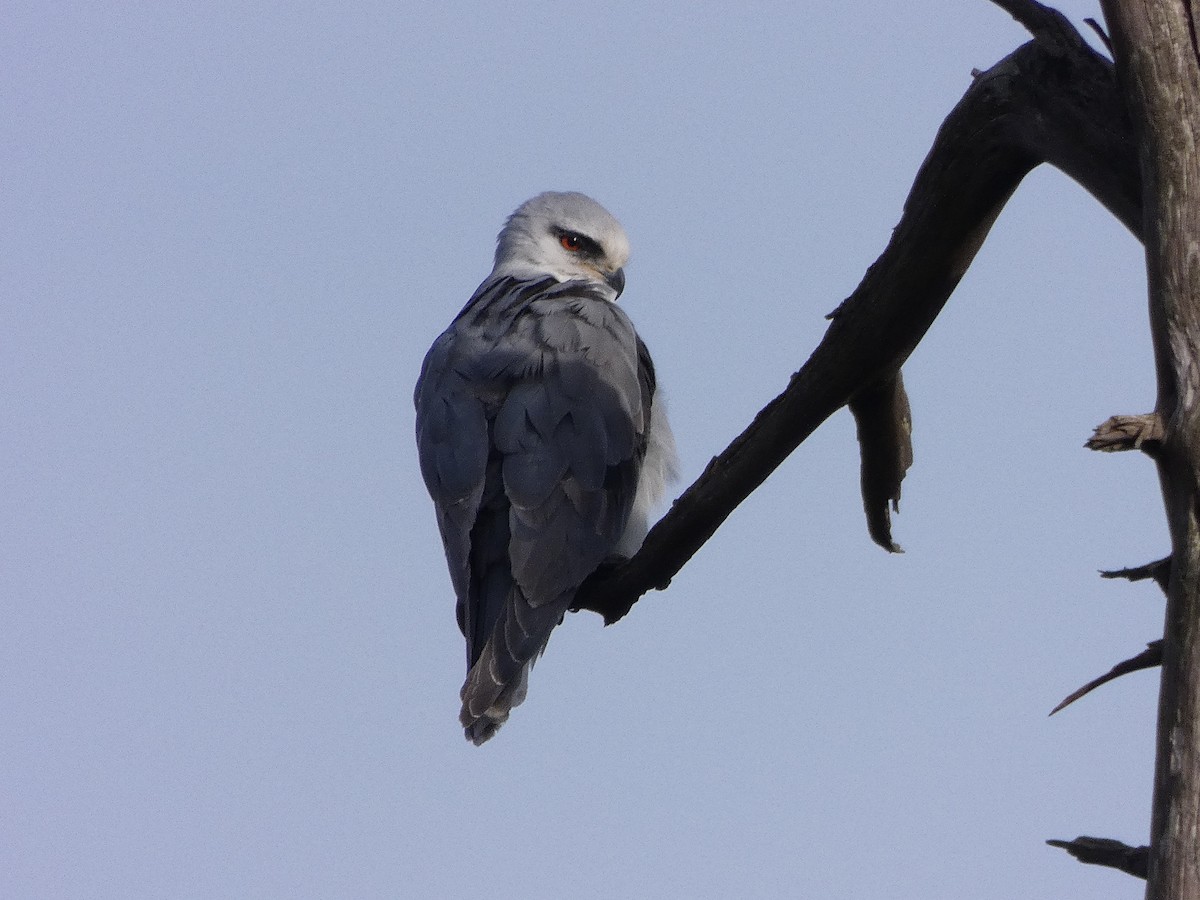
(542, 439)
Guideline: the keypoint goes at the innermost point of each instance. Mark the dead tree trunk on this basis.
(1158, 65)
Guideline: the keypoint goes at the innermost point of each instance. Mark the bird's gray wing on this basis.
(453, 449)
(566, 443)
(463, 381)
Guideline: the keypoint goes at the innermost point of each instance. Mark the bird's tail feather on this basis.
(499, 679)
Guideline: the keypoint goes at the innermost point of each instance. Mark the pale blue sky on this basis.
(228, 659)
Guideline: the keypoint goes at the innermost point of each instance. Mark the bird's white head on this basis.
(568, 236)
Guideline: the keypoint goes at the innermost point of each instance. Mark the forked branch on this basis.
(1053, 100)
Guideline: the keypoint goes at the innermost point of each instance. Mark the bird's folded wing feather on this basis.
(571, 440)
(568, 416)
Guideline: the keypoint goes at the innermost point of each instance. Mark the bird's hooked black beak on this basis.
(616, 281)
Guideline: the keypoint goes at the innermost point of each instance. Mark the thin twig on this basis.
(1104, 38)
(1043, 22)
(1149, 658)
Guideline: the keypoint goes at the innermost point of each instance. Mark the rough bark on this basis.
(1053, 100)
(1159, 67)
(1144, 432)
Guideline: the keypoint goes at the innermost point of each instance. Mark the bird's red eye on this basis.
(572, 242)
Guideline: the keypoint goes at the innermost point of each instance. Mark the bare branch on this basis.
(1107, 852)
(1147, 659)
(1159, 570)
(1144, 432)
(1052, 100)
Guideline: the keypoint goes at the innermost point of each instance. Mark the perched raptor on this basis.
(542, 440)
